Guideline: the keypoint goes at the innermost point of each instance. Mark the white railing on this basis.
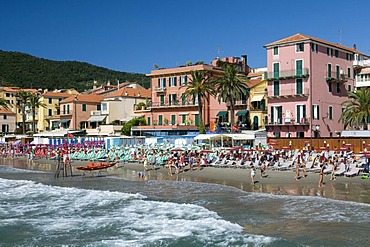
(362, 63)
(95, 113)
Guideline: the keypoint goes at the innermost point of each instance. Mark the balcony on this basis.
(336, 76)
(66, 113)
(287, 93)
(287, 74)
(362, 63)
(95, 113)
(160, 89)
(289, 122)
(362, 82)
(173, 104)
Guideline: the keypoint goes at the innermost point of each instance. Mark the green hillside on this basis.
(23, 70)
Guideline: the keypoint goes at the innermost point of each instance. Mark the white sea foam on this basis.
(10, 169)
(78, 216)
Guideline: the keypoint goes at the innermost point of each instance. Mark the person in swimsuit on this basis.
(321, 180)
(253, 173)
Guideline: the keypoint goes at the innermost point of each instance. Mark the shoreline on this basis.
(274, 182)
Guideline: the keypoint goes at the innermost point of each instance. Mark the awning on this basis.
(63, 121)
(222, 114)
(257, 97)
(205, 136)
(241, 136)
(96, 118)
(242, 113)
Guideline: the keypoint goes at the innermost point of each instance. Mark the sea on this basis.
(38, 210)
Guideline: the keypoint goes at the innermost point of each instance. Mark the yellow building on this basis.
(51, 101)
(258, 99)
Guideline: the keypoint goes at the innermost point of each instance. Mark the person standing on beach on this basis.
(297, 171)
(145, 163)
(252, 174)
(321, 180)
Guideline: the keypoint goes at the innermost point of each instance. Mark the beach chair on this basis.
(328, 169)
(341, 170)
(353, 171)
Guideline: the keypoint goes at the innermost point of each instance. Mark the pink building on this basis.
(308, 79)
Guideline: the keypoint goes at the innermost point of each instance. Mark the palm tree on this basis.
(200, 86)
(4, 104)
(357, 109)
(34, 102)
(23, 97)
(230, 87)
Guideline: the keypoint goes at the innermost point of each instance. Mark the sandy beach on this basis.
(274, 182)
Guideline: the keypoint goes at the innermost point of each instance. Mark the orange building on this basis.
(171, 113)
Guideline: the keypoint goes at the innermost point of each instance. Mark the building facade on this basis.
(308, 79)
(7, 121)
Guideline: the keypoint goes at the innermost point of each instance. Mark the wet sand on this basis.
(274, 182)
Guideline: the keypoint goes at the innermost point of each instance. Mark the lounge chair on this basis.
(341, 170)
(353, 171)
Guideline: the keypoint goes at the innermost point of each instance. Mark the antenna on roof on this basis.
(340, 36)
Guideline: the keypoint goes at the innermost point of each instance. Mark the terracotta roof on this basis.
(56, 94)
(17, 89)
(302, 37)
(254, 82)
(9, 112)
(131, 92)
(250, 75)
(91, 98)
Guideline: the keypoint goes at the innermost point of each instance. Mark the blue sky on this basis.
(134, 35)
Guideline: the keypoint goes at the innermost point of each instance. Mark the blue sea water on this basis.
(38, 210)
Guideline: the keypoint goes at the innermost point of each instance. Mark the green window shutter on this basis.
(276, 70)
(160, 120)
(298, 114)
(149, 120)
(183, 99)
(276, 88)
(280, 114)
(337, 71)
(329, 70)
(304, 111)
(299, 86)
(173, 119)
(175, 78)
(83, 107)
(159, 82)
(98, 107)
(196, 119)
(272, 114)
(298, 66)
(183, 118)
(161, 97)
(164, 82)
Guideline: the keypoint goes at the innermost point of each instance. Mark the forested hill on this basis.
(26, 71)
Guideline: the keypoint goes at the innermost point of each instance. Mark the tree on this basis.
(230, 87)
(126, 129)
(4, 104)
(23, 97)
(200, 86)
(357, 109)
(33, 103)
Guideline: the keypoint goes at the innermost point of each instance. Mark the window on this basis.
(330, 113)
(161, 82)
(349, 88)
(276, 88)
(330, 86)
(276, 50)
(299, 47)
(7, 95)
(98, 107)
(329, 70)
(244, 99)
(64, 109)
(336, 53)
(196, 119)
(173, 81)
(148, 120)
(298, 67)
(172, 99)
(314, 47)
(338, 88)
(183, 119)
(173, 119)
(277, 114)
(183, 80)
(5, 117)
(276, 67)
(337, 71)
(349, 72)
(301, 114)
(329, 51)
(315, 112)
(161, 99)
(83, 107)
(183, 99)
(349, 57)
(50, 101)
(67, 109)
(299, 86)
(104, 107)
(160, 120)
(50, 112)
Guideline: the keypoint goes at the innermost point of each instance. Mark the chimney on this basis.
(94, 84)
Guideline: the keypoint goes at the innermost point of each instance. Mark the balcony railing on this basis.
(174, 104)
(336, 76)
(160, 89)
(288, 74)
(362, 63)
(288, 121)
(292, 92)
(95, 113)
(66, 113)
